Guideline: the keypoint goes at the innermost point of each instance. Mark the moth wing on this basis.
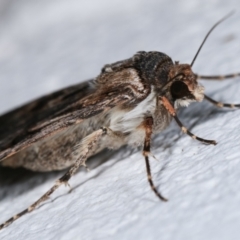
(57, 111)
(16, 125)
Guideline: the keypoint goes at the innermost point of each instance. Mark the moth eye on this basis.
(179, 90)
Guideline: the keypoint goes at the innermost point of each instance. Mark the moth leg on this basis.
(146, 152)
(220, 104)
(172, 111)
(218, 77)
(91, 143)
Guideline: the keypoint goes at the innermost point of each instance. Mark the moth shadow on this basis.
(194, 115)
(15, 182)
(205, 111)
(100, 159)
(190, 117)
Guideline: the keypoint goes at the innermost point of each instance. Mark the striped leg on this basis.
(218, 77)
(146, 151)
(90, 144)
(220, 104)
(172, 111)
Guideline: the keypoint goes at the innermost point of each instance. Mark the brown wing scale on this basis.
(50, 114)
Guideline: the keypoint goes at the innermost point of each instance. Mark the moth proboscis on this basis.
(125, 105)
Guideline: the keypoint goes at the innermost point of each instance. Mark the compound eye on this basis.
(179, 90)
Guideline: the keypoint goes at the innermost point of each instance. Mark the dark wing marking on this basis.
(15, 125)
(55, 112)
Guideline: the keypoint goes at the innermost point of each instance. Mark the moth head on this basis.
(183, 85)
(184, 88)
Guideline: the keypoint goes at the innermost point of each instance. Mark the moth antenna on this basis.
(218, 77)
(220, 104)
(204, 40)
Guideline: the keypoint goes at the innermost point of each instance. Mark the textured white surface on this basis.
(49, 44)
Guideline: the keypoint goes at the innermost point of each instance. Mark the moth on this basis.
(129, 102)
